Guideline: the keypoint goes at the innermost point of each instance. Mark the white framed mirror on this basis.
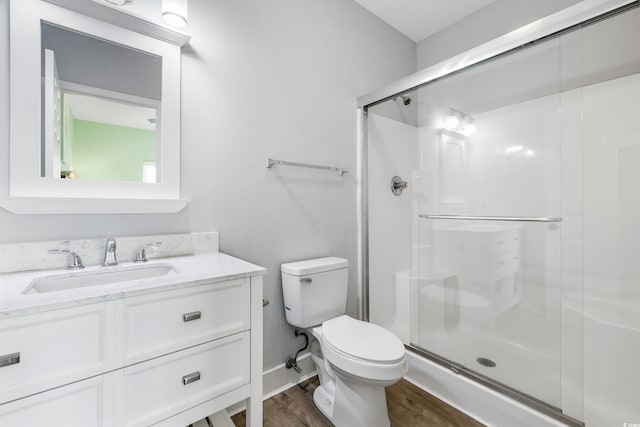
(95, 115)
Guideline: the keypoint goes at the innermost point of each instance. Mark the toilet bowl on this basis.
(355, 360)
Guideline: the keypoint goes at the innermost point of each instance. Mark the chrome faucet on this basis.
(75, 262)
(110, 253)
(142, 254)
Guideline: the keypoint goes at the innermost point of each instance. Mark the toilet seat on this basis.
(363, 349)
(362, 340)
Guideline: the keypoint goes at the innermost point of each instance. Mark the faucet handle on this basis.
(142, 253)
(75, 262)
(110, 253)
(111, 244)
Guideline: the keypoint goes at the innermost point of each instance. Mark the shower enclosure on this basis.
(511, 254)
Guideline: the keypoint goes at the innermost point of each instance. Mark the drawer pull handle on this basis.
(305, 280)
(9, 359)
(194, 315)
(191, 378)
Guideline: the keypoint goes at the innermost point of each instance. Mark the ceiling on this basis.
(99, 110)
(418, 19)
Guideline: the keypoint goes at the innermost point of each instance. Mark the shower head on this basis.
(405, 99)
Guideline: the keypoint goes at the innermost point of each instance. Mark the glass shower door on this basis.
(486, 286)
(475, 274)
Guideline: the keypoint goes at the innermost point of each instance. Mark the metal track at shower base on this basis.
(530, 401)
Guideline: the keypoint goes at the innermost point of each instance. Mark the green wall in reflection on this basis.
(109, 152)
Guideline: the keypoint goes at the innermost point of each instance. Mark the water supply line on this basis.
(292, 362)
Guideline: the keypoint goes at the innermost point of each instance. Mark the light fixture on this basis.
(468, 126)
(174, 12)
(459, 122)
(513, 149)
(120, 2)
(452, 122)
(518, 150)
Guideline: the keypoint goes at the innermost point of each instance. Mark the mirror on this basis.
(100, 104)
(94, 96)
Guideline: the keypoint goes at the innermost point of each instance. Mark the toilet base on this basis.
(323, 401)
(359, 404)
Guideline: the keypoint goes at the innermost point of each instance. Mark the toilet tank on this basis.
(314, 290)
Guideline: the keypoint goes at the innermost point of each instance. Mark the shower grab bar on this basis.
(273, 162)
(493, 218)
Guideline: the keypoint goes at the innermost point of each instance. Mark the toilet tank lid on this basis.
(311, 266)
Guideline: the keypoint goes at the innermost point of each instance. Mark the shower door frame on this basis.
(583, 13)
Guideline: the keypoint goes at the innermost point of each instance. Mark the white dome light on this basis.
(452, 122)
(174, 12)
(120, 2)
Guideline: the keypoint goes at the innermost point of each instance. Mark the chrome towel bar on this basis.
(272, 162)
(493, 218)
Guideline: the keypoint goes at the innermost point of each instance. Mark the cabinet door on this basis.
(152, 391)
(163, 322)
(87, 403)
(54, 348)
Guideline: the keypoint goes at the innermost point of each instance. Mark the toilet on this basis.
(355, 360)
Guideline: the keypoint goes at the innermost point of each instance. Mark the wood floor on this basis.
(409, 406)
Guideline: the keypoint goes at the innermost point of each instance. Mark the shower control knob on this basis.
(398, 185)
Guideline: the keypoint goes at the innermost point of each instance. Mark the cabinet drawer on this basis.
(164, 322)
(83, 404)
(154, 390)
(55, 348)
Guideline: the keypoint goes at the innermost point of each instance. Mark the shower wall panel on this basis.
(391, 151)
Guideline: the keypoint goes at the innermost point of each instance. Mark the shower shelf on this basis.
(492, 218)
(272, 162)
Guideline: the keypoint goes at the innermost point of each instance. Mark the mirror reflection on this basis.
(100, 109)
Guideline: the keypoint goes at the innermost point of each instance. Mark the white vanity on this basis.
(165, 351)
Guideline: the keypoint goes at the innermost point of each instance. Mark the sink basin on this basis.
(100, 276)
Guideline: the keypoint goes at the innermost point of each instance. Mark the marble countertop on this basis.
(192, 270)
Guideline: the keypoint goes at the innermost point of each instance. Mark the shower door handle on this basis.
(493, 218)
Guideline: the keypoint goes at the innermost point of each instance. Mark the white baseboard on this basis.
(279, 378)
(479, 402)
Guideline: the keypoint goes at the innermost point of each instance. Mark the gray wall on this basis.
(261, 78)
(94, 62)
(499, 18)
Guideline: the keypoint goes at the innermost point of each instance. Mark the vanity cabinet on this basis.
(478, 254)
(168, 358)
(156, 389)
(163, 322)
(54, 348)
(81, 404)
